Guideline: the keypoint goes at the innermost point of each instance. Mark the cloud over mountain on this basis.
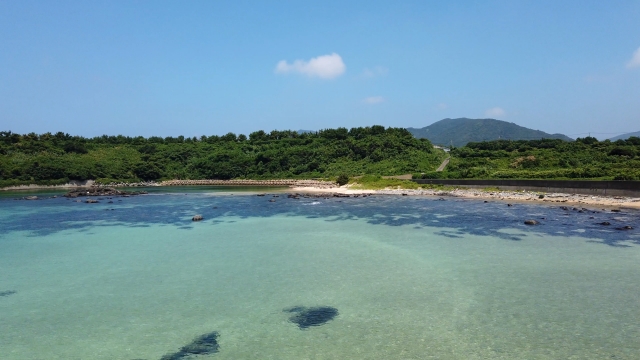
(495, 112)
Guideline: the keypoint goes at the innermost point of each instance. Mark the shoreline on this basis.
(499, 195)
(91, 183)
(326, 187)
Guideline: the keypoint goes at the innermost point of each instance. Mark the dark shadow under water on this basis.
(306, 317)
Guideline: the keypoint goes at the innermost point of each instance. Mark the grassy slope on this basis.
(545, 160)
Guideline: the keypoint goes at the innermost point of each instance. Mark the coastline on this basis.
(91, 183)
(327, 187)
(498, 195)
(70, 185)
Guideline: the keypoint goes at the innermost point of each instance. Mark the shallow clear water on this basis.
(410, 277)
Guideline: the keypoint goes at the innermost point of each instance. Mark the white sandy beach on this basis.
(513, 196)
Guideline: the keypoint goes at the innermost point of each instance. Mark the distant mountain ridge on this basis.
(625, 136)
(461, 131)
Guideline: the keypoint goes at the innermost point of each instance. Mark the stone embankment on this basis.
(283, 182)
(123, 184)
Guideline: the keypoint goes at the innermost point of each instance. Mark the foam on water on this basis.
(142, 281)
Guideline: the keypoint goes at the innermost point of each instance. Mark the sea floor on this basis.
(408, 278)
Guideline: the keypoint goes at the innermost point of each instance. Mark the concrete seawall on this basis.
(210, 182)
(588, 187)
(281, 182)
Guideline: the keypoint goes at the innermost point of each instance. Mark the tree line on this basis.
(60, 157)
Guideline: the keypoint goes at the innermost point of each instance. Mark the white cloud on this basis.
(373, 100)
(495, 112)
(635, 60)
(442, 106)
(374, 71)
(324, 66)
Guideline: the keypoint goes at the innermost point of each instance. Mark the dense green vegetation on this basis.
(332, 153)
(585, 158)
(459, 132)
(58, 158)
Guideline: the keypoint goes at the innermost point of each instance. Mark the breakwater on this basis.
(280, 182)
(212, 182)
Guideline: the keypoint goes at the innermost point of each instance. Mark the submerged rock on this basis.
(101, 191)
(314, 316)
(7, 293)
(606, 223)
(531, 222)
(202, 345)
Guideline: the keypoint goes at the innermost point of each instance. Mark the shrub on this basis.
(342, 179)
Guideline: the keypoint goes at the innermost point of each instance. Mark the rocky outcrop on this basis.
(100, 191)
(324, 195)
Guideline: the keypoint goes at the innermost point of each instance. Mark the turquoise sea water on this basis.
(410, 277)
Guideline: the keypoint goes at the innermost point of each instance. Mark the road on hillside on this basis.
(444, 164)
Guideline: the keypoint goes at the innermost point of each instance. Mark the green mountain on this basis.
(625, 136)
(461, 131)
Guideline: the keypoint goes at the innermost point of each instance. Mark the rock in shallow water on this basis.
(313, 316)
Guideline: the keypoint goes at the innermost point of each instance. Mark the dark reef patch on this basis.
(455, 217)
(202, 345)
(313, 316)
(7, 293)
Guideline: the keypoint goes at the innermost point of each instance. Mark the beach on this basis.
(497, 195)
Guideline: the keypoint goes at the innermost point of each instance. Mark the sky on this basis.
(192, 68)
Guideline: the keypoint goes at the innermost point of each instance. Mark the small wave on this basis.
(313, 203)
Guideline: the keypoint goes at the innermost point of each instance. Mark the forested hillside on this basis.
(58, 158)
(585, 158)
(625, 136)
(459, 132)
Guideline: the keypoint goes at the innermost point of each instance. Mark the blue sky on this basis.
(210, 67)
